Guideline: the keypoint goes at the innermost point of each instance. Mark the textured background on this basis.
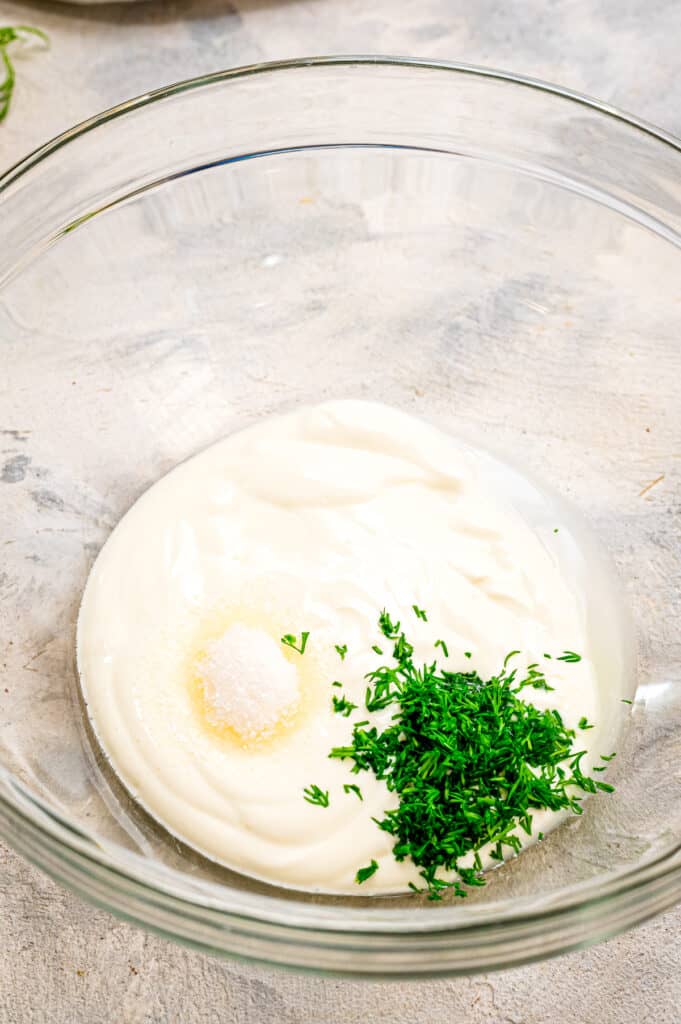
(62, 961)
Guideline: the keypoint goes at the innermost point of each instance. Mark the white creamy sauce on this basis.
(312, 521)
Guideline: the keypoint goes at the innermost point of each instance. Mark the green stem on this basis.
(10, 34)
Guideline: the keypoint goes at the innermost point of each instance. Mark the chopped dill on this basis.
(443, 645)
(342, 650)
(289, 640)
(386, 625)
(469, 760)
(351, 787)
(366, 872)
(343, 706)
(420, 613)
(317, 796)
(570, 657)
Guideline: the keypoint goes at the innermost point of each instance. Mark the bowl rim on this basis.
(22, 166)
(39, 832)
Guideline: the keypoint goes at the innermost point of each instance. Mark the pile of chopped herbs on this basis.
(469, 760)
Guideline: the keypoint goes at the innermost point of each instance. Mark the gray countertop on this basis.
(66, 962)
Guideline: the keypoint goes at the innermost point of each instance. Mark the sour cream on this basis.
(311, 522)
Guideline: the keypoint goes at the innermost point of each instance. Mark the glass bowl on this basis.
(494, 254)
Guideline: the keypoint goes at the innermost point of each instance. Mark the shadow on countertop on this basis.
(156, 12)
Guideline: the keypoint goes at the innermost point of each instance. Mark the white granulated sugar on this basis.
(247, 680)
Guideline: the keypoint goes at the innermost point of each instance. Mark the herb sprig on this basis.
(343, 706)
(350, 787)
(317, 796)
(11, 34)
(289, 640)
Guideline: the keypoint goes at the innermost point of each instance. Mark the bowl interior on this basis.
(503, 292)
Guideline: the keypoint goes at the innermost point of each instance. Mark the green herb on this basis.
(443, 645)
(419, 613)
(315, 795)
(290, 641)
(608, 757)
(625, 701)
(468, 759)
(555, 529)
(584, 724)
(343, 706)
(342, 650)
(350, 787)
(11, 34)
(569, 656)
(336, 683)
(536, 679)
(467, 654)
(387, 626)
(367, 872)
(377, 650)
(548, 656)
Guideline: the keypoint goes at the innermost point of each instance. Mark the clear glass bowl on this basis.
(494, 254)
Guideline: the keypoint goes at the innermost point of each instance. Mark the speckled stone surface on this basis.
(61, 960)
